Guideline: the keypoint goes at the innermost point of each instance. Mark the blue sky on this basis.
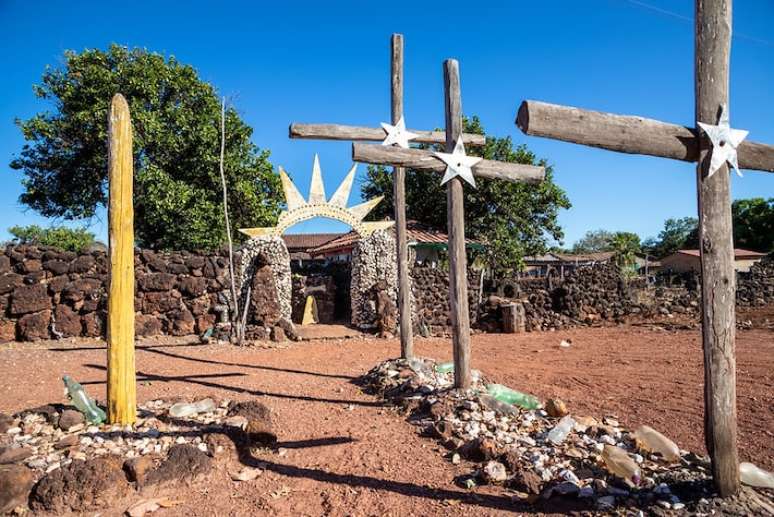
(283, 62)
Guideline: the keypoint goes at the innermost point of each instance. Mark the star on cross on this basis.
(397, 134)
(458, 164)
(724, 140)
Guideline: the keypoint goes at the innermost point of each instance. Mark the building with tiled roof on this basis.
(690, 260)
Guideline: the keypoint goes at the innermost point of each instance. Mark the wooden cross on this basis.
(642, 136)
(358, 133)
(428, 161)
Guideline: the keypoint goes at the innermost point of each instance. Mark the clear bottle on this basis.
(618, 463)
(559, 433)
(184, 409)
(83, 402)
(509, 396)
(650, 440)
(755, 476)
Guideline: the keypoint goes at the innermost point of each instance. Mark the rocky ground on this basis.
(341, 451)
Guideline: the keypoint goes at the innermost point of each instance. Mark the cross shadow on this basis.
(104, 347)
(200, 380)
(166, 353)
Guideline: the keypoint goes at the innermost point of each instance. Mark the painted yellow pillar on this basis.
(121, 386)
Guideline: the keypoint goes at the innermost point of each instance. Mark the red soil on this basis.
(347, 455)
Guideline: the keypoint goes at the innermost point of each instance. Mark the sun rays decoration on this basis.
(299, 209)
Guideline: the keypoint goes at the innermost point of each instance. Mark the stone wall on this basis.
(756, 287)
(373, 259)
(430, 296)
(48, 293)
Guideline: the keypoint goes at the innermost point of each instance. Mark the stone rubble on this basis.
(512, 448)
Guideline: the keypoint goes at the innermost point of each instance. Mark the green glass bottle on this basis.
(86, 405)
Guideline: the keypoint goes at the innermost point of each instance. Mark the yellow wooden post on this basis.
(121, 389)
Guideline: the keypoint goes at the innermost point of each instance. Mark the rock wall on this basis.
(271, 252)
(48, 293)
(756, 287)
(373, 259)
(430, 296)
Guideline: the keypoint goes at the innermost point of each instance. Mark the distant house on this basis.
(644, 264)
(424, 242)
(684, 261)
(299, 244)
(560, 264)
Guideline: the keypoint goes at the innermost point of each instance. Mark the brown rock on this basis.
(480, 449)
(6, 422)
(67, 321)
(80, 289)
(7, 330)
(192, 286)
(160, 302)
(204, 322)
(265, 307)
(137, 468)
(556, 408)
(147, 325)
(93, 323)
(177, 269)
(260, 427)
(81, 486)
(32, 327)
(183, 322)
(156, 282)
(66, 442)
(56, 284)
(57, 267)
(29, 298)
(5, 264)
(10, 281)
(200, 305)
(277, 334)
(70, 418)
(184, 462)
(29, 266)
(15, 484)
(527, 481)
(12, 454)
(82, 264)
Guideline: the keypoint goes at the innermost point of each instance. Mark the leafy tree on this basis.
(677, 234)
(594, 241)
(176, 119)
(753, 223)
(625, 245)
(515, 219)
(68, 239)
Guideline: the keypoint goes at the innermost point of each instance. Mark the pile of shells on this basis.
(519, 449)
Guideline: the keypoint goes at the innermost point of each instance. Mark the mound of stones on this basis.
(52, 461)
(509, 446)
(756, 287)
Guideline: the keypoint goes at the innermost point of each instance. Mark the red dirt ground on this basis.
(347, 455)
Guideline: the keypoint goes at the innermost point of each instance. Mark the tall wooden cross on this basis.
(642, 136)
(357, 133)
(430, 161)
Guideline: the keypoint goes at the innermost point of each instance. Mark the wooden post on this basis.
(718, 278)
(399, 193)
(121, 389)
(458, 264)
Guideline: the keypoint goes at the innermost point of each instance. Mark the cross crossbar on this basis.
(374, 134)
(628, 134)
(425, 160)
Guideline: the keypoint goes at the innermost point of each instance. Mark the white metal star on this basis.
(458, 163)
(724, 142)
(397, 134)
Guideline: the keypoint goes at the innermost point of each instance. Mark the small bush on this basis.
(68, 239)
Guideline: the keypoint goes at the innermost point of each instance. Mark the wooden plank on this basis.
(399, 207)
(627, 134)
(455, 213)
(375, 134)
(425, 160)
(718, 279)
(121, 388)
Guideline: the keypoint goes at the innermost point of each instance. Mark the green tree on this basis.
(677, 234)
(626, 245)
(594, 241)
(62, 237)
(176, 118)
(515, 219)
(753, 223)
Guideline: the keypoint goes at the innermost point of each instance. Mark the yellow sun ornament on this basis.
(299, 209)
